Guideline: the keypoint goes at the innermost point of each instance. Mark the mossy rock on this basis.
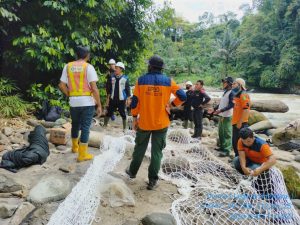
(292, 181)
(256, 117)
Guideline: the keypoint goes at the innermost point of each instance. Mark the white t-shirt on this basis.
(78, 101)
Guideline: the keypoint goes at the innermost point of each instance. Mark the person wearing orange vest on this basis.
(241, 111)
(78, 82)
(150, 110)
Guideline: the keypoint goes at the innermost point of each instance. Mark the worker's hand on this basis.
(239, 125)
(217, 112)
(99, 111)
(255, 172)
(135, 124)
(168, 108)
(210, 110)
(246, 171)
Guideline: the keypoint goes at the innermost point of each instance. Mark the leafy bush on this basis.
(11, 105)
(51, 94)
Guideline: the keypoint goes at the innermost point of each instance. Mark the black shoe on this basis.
(129, 174)
(224, 154)
(152, 184)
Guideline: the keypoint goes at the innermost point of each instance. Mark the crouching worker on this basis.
(78, 82)
(255, 155)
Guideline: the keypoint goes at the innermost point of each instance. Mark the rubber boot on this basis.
(196, 133)
(75, 145)
(106, 119)
(83, 154)
(185, 124)
(124, 124)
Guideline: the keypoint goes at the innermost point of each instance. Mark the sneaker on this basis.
(152, 184)
(131, 176)
(224, 154)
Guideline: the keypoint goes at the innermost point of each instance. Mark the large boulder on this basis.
(50, 189)
(285, 134)
(256, 117)
(270, 106)
(262, 125)
(95, 139)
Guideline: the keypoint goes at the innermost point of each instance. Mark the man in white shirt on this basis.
(78, 82)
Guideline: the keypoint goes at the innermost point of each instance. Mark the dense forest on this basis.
(39, 37)
(263, 47)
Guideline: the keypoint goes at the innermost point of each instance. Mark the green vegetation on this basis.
(11, 105)
(292, 181)
(51, 94)
(263, 48)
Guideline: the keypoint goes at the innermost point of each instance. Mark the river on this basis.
(278, 119)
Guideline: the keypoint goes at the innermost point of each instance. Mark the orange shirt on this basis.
(241, 101)
(258, 152)
(150, 98)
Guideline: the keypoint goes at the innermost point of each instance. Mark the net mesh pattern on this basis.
(214, 193)
(85, 196)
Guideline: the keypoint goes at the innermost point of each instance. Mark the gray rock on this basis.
(50, 189)
(285, 134)
(297, 158)
(270, 132)
(15, 140)
(296, 152)
(262, 125)
(7, 131)
(7, 210)
(60, 122)
(296, 203)
(32, 122)
(158, 219)
(67, 168)
(3, 139)
(8, 185)
(24, 209)
(25, 135)
(51, 146)
(212, 123)
(205, 122)
(61, 148)
(131, 222)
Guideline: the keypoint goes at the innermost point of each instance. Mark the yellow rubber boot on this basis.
(83, 154)
(75, 145)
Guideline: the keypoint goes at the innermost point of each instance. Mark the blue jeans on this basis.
(249, 164)
(81, 120)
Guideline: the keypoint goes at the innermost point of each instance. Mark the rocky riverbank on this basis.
(32, 195)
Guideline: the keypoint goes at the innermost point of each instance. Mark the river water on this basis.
(278, 119)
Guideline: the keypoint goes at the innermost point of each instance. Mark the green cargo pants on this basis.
(158, 143)
(225, 134)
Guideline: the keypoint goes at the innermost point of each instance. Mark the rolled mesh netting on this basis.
(213, 193)
(85, 196)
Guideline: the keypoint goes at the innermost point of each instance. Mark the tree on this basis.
(226, 49)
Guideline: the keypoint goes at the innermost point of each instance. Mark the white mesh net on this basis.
(85, 196)
(214, 193)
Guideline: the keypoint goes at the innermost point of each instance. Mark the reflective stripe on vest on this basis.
(77, 79)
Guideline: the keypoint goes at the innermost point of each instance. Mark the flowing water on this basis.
(278, 119)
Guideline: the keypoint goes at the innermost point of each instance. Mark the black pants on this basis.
(114, 105)
(236, 137)
(188, 115)
(198, 116)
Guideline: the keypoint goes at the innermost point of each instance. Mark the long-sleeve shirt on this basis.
(199, 98)
(150, 99)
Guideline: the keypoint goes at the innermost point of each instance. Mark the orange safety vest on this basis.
(77, 79)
